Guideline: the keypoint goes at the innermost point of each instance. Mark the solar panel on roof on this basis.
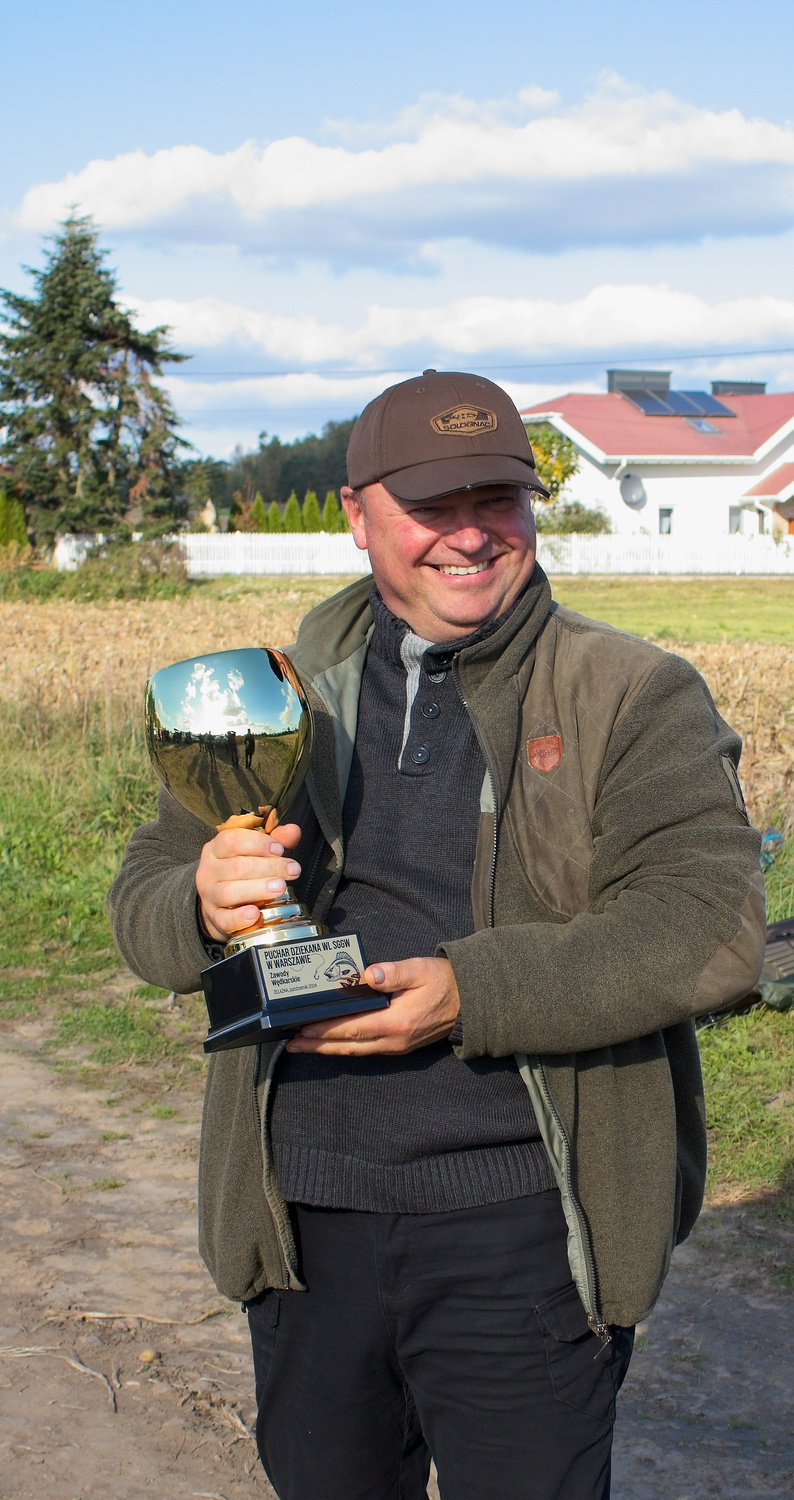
(677, 403)
(708, 406)
(652, 405)
(683, 403)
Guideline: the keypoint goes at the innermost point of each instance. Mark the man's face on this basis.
(451, 564)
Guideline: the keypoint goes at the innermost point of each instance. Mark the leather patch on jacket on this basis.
(545, 753)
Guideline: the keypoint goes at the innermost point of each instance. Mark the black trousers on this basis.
(459, 1335)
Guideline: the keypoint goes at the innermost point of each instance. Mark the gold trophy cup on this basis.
(230, 736)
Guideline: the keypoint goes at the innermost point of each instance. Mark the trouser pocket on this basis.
(584, 1371)
(263, 1315)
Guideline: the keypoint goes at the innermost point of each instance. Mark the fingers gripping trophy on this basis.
(230, 735)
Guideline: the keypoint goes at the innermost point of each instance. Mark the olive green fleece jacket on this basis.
(616, 896)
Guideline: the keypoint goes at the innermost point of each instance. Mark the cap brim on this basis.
(442, 476)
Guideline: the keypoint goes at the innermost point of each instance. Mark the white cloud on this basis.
(608, 317)
(624, 164)
(281, 391)
(208, 322)
(609, 323)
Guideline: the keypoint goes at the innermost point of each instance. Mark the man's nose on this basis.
(467, 535)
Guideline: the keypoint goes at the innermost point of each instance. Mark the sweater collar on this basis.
(390, 632)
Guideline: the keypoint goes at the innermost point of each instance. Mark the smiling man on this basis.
(445, 1217)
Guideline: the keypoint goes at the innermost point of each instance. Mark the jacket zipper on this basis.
(283, 1229)
(315, 865)
(597, 1324)
(489, 768)
(595, 1320)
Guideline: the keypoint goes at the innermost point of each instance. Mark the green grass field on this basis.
(76, 782)
(681, 609)
(686, 609)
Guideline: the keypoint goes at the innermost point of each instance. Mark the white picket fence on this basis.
(751, 554)
(251, 552)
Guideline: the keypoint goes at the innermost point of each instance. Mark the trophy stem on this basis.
(285, 920)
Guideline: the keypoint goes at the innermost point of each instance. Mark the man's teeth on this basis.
(475, 568)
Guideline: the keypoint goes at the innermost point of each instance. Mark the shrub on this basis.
(12, 522)
(312, 520)
(273, 518)
(572, 516)
(293, 520)
(12, 556)
(117, 570)
(556, 458)
(259, 514)
(331, 513)
(241, 516)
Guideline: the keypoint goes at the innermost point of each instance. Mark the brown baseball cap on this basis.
(441, 432)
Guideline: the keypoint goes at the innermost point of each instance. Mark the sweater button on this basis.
(419, 755)
(431, 710)
(437, 676)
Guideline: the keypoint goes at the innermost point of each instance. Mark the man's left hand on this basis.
(424, 1007)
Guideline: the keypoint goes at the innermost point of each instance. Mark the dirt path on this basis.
(121, 1407)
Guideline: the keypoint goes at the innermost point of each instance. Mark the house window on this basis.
(735, 519)
(665, 522)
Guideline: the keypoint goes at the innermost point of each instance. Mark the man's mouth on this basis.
(457, 572)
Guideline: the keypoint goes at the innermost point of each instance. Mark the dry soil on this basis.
(123, 1374)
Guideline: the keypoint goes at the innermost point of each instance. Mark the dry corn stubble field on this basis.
(98, 1162)
(66, 652)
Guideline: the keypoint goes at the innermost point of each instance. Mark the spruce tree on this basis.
(293, 520)
(90, 439)
(259, 514)
(273, 518)
(312, 520)
(12, 521)
(330, 513)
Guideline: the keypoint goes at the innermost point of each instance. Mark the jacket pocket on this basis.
(584, 1372)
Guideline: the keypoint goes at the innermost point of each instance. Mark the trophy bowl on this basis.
(230, 734)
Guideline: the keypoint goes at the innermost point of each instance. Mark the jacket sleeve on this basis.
(675, 919)
(152, 902)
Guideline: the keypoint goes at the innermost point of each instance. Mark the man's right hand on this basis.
(241, 870)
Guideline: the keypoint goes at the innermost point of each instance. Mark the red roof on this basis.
(775, 483)
(620, 430)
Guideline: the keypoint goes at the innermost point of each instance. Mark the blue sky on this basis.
(319, 198)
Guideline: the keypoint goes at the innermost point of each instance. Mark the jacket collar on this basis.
(338, 627)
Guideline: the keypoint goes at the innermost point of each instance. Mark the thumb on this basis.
(288, 834)
(385, 976)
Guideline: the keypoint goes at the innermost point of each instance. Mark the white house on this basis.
(686, 462)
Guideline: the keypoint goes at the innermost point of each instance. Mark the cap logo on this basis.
(465, 421)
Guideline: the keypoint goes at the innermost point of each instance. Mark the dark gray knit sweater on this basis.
(424, 1132)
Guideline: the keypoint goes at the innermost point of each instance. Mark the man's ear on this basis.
(354, 511)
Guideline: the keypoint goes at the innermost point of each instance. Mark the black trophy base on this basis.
(243, 1010)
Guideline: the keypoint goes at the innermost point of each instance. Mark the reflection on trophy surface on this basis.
(230, 735)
